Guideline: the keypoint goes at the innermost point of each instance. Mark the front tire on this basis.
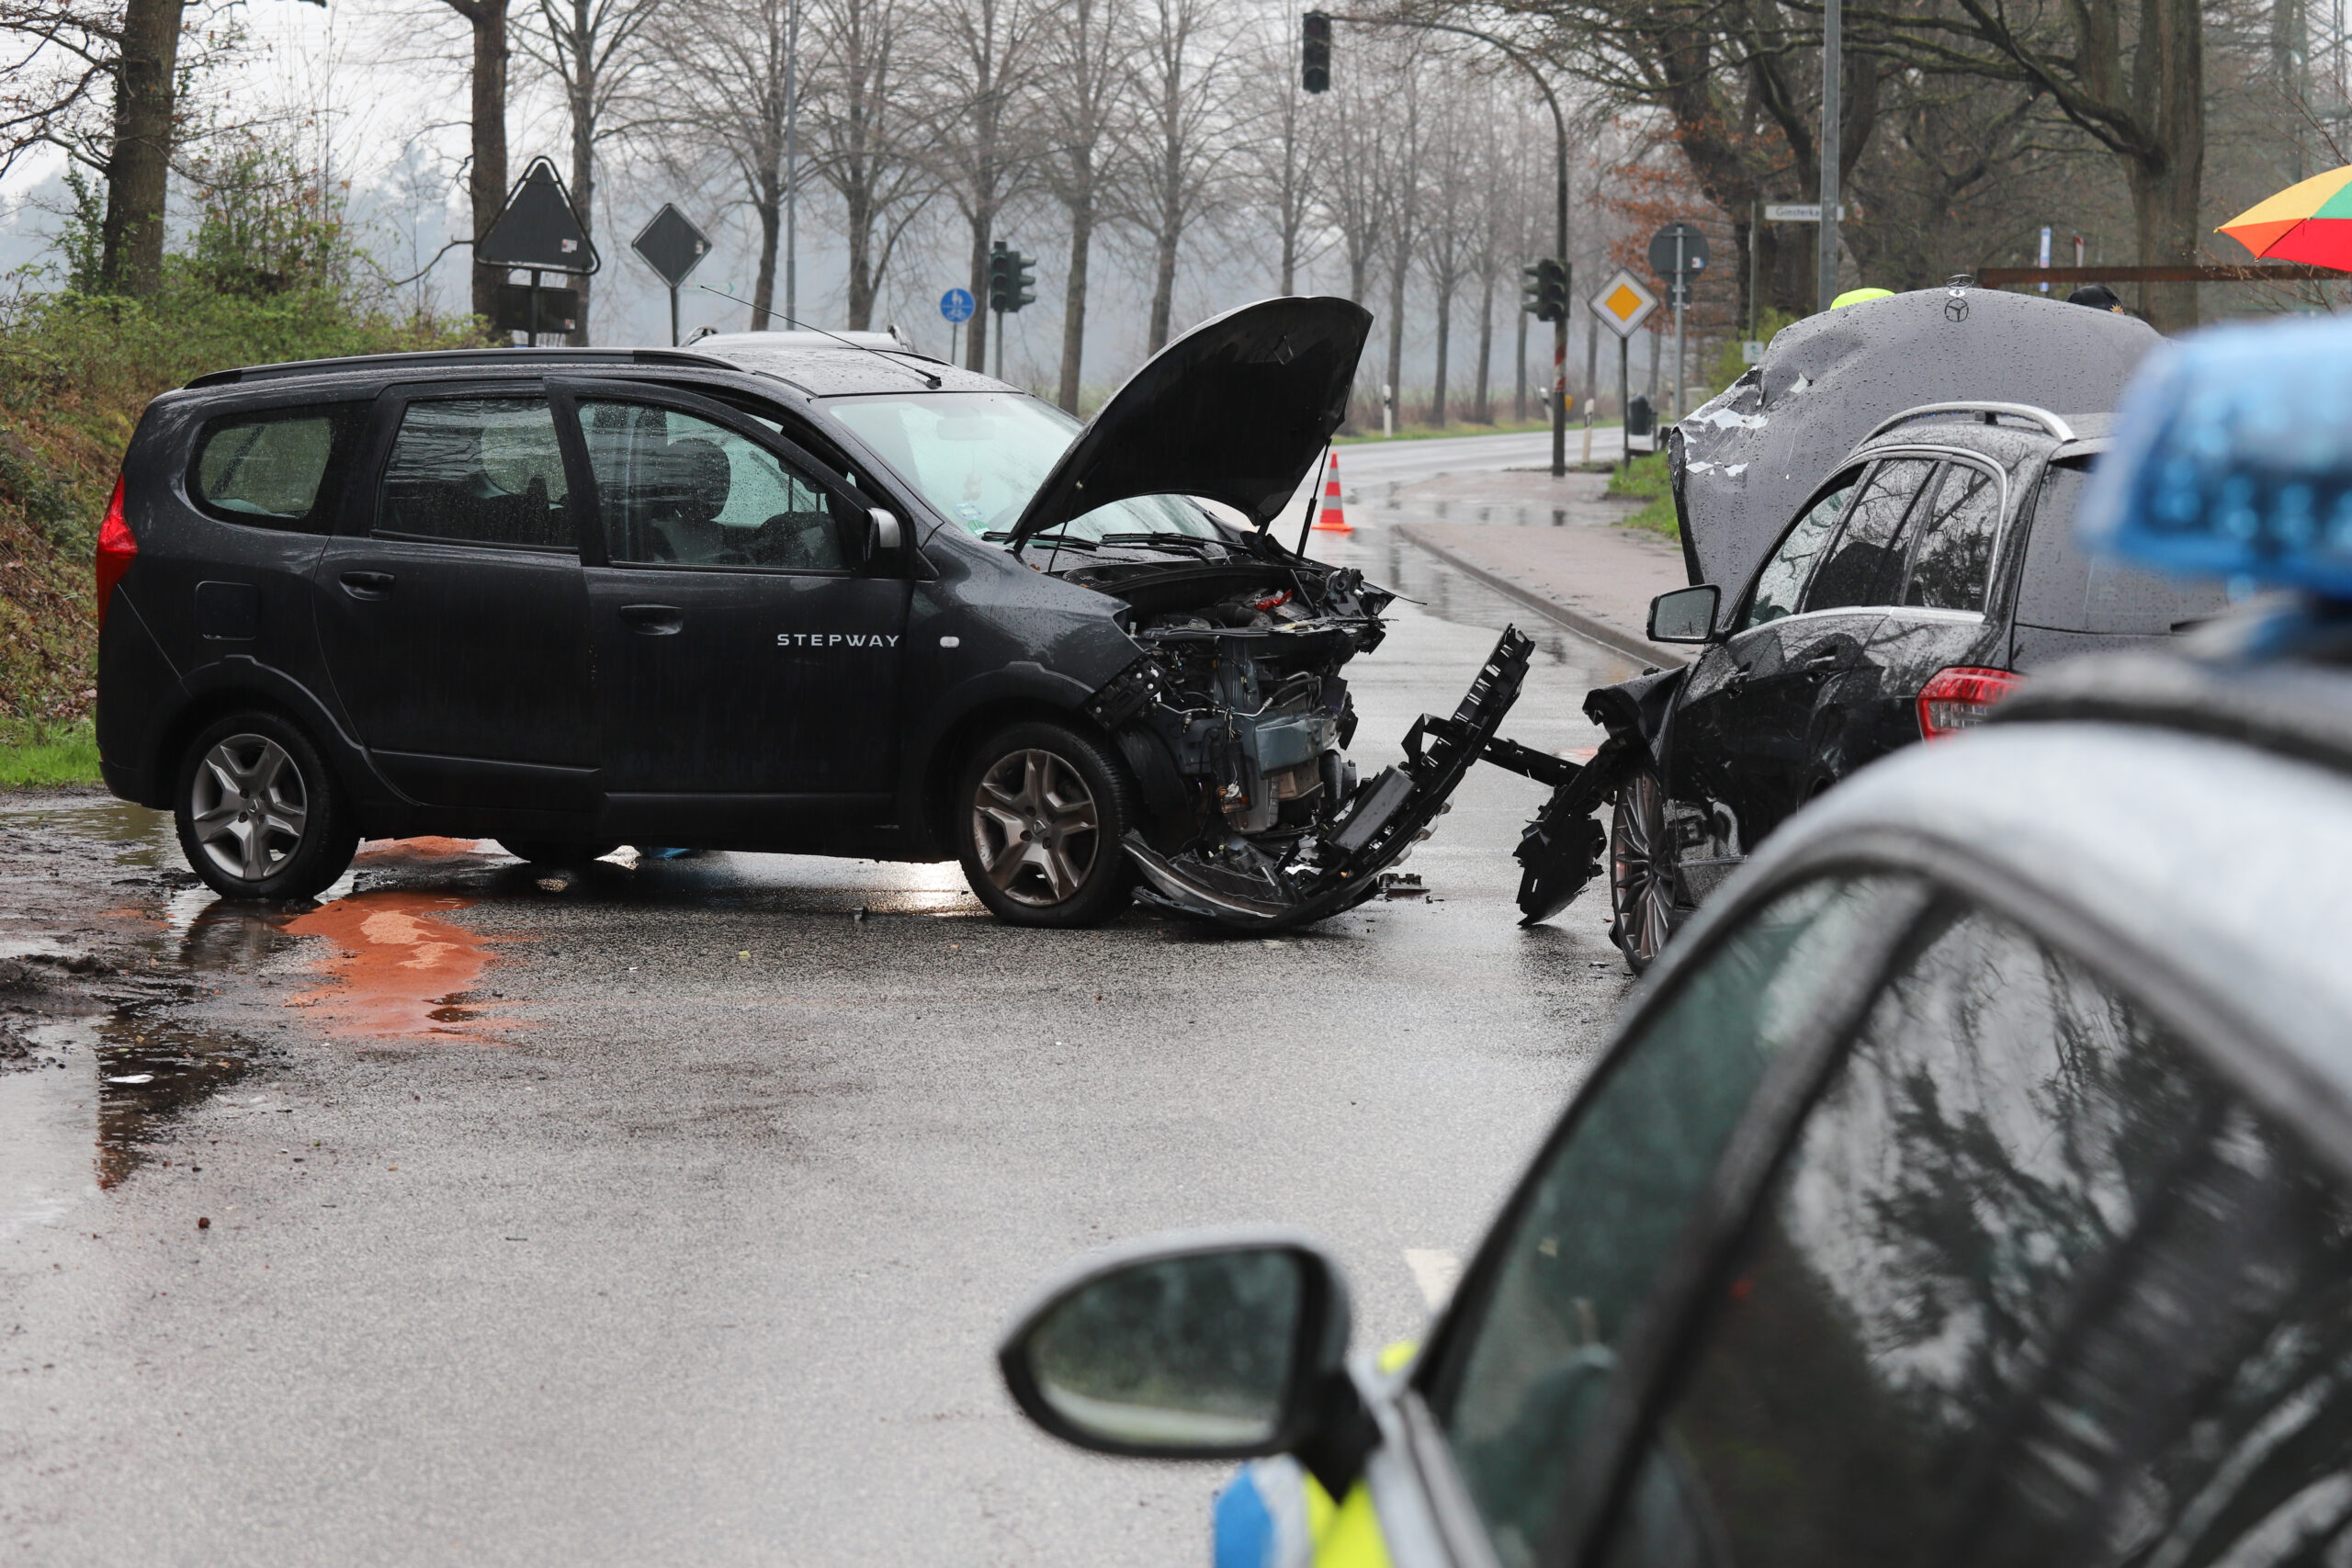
(258, 812)
(1040, 811)
(1641, 871)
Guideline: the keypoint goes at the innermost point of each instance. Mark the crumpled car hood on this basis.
(1237, 410)
(1747, 460)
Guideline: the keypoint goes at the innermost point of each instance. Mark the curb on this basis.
(1592, 628)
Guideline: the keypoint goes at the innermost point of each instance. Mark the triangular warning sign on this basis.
(539, 228)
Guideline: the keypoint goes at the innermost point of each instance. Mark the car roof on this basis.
(2008, 433)
(2173, 821)
(830, 370)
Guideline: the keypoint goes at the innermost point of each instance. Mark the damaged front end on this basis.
(1242, 704)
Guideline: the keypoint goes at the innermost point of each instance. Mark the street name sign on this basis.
(1798, 212)
(1623, 304)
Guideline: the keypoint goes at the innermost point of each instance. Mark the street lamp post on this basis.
(1560, 221)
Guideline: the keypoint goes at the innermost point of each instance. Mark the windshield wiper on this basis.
(1163, 541)
(999, 536)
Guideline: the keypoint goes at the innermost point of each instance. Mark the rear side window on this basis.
(1954, 558)
(268, 468)
(2067, 589)
(477, 471)
(1865, 564)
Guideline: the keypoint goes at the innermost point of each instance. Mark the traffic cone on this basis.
(1332, 520)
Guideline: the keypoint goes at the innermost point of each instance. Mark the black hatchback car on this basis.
(786, 592)
(1928, 568)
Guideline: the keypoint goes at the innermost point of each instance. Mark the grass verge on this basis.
(48, 756)
(1645, 478)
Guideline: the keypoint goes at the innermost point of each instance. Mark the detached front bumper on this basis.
(1236, 886)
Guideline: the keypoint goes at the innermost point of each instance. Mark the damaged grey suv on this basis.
(783, 591)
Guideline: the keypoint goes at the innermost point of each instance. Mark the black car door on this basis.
(1758, 712)
(451, 607)
(748, 662)
(1937, 620)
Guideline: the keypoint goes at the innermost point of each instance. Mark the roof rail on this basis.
(431, 357)
(2042, 417)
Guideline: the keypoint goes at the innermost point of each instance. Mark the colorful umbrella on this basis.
(2311, 222)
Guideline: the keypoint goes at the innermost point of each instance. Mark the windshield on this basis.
(979, 457)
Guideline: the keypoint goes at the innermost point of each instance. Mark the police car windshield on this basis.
(979, 457)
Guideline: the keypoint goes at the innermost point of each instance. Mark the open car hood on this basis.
(1238, 410)
(1749, 459)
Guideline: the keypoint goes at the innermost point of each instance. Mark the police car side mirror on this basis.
(881, 532)
(1687, 614)
(1200, 1345)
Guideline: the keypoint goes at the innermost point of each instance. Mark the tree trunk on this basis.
(768, 202)
(1482, 411)
(857, 208)
(1163, 288)
(1444, 341)
(1396, 326)
(146, 78)
(583, 155)
(486, 176)
(1518, 386)
(975, 331)
(2168, 95)
(1081, 240)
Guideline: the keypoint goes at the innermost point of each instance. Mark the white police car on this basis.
(1972, 1186)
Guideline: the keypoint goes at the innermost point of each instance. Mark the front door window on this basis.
(677, 490)
(1516, 1389)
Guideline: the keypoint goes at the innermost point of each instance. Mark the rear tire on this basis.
(260, 816)
(554, 851)
(1641, 871)
(1039, 814)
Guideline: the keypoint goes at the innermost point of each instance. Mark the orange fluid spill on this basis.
(402, 974)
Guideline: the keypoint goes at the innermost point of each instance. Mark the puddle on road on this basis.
(150, 1069)
(402, 972)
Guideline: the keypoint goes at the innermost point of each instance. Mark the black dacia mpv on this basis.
(785, 592)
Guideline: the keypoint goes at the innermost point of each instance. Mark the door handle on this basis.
(368, 584)
(653, 620)
(1822, 658)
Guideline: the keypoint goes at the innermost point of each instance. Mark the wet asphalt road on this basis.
(669, 1213)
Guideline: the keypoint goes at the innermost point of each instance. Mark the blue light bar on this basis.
(2232, 459)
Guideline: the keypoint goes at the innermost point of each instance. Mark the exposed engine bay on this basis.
(1237, 721)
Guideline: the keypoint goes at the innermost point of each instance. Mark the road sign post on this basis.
(672, 247)
(540, 231)
(1622, 306)
(1679, 254)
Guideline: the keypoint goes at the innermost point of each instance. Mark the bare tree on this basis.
(1495, 223)
(864, 143)
(1402, 226)
(1450, 208)
(983, 140)
(1085, 59)
(730, 73)
(1183, 72)
(589, 46)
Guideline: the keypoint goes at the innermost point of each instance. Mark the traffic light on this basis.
(1011, 281)
(1315, 58)
(1544, 295)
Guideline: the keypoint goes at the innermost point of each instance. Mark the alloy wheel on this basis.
(248, 806)
(1036, 828)
(1641, 879)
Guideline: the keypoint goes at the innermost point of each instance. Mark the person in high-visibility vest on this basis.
(1275, 1514)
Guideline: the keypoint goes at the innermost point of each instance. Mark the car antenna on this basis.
(928, 379)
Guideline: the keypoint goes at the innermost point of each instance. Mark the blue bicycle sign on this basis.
(956, 304)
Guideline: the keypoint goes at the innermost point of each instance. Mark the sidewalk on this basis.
(1550, 544)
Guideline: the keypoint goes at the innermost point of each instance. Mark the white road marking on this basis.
(1435, 1271)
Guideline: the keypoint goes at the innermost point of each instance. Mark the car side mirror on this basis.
(1201, 1345)
(882, 533)
(1687, 614)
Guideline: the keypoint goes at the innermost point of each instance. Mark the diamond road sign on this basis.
(539, 229)
(1623, 304)
(671, 245)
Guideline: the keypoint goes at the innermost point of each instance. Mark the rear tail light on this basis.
(116, 550)
(1958, 698)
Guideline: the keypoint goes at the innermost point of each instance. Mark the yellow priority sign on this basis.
(1623, 304)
